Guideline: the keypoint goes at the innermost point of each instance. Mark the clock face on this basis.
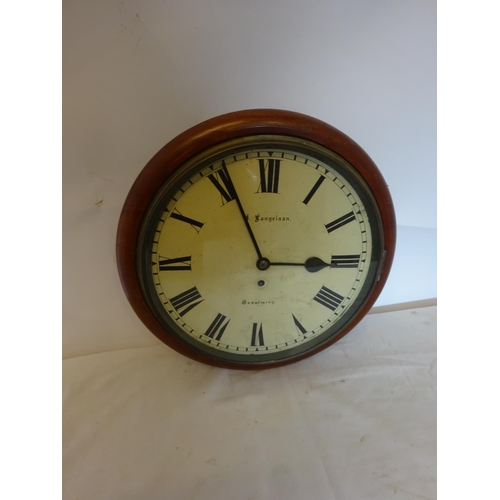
(260, 249)
(256, 239)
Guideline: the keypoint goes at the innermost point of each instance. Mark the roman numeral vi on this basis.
(257, 335)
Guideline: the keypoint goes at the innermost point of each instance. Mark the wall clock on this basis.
(256, 239)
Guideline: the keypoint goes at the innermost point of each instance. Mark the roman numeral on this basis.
(345, 261)
(217, 327)
(298, 325)
(257, 335)
(170, 264)
(226, 189)
(269, 175)
(185, 301)
(341, 221)
(196, 225)
(328, 298)
(316, 186)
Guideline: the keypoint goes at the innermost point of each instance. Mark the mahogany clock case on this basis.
(233, 128)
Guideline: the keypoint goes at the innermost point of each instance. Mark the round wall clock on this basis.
(256, 239)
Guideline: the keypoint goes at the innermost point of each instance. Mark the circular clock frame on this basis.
(207, 135)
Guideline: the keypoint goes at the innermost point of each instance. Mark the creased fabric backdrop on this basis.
(357, 421)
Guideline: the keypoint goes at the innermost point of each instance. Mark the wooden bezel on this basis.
(206, 135)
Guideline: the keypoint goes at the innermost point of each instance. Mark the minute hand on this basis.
(242, 212)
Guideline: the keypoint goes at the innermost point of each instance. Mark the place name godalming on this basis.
(257, 302)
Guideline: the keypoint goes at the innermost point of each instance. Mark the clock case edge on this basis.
(218, 130)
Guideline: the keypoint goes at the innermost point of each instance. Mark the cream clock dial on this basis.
(259, 250)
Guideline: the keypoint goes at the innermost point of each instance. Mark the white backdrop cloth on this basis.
(357, 421)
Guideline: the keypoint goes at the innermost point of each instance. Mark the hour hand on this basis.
(315, 264)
